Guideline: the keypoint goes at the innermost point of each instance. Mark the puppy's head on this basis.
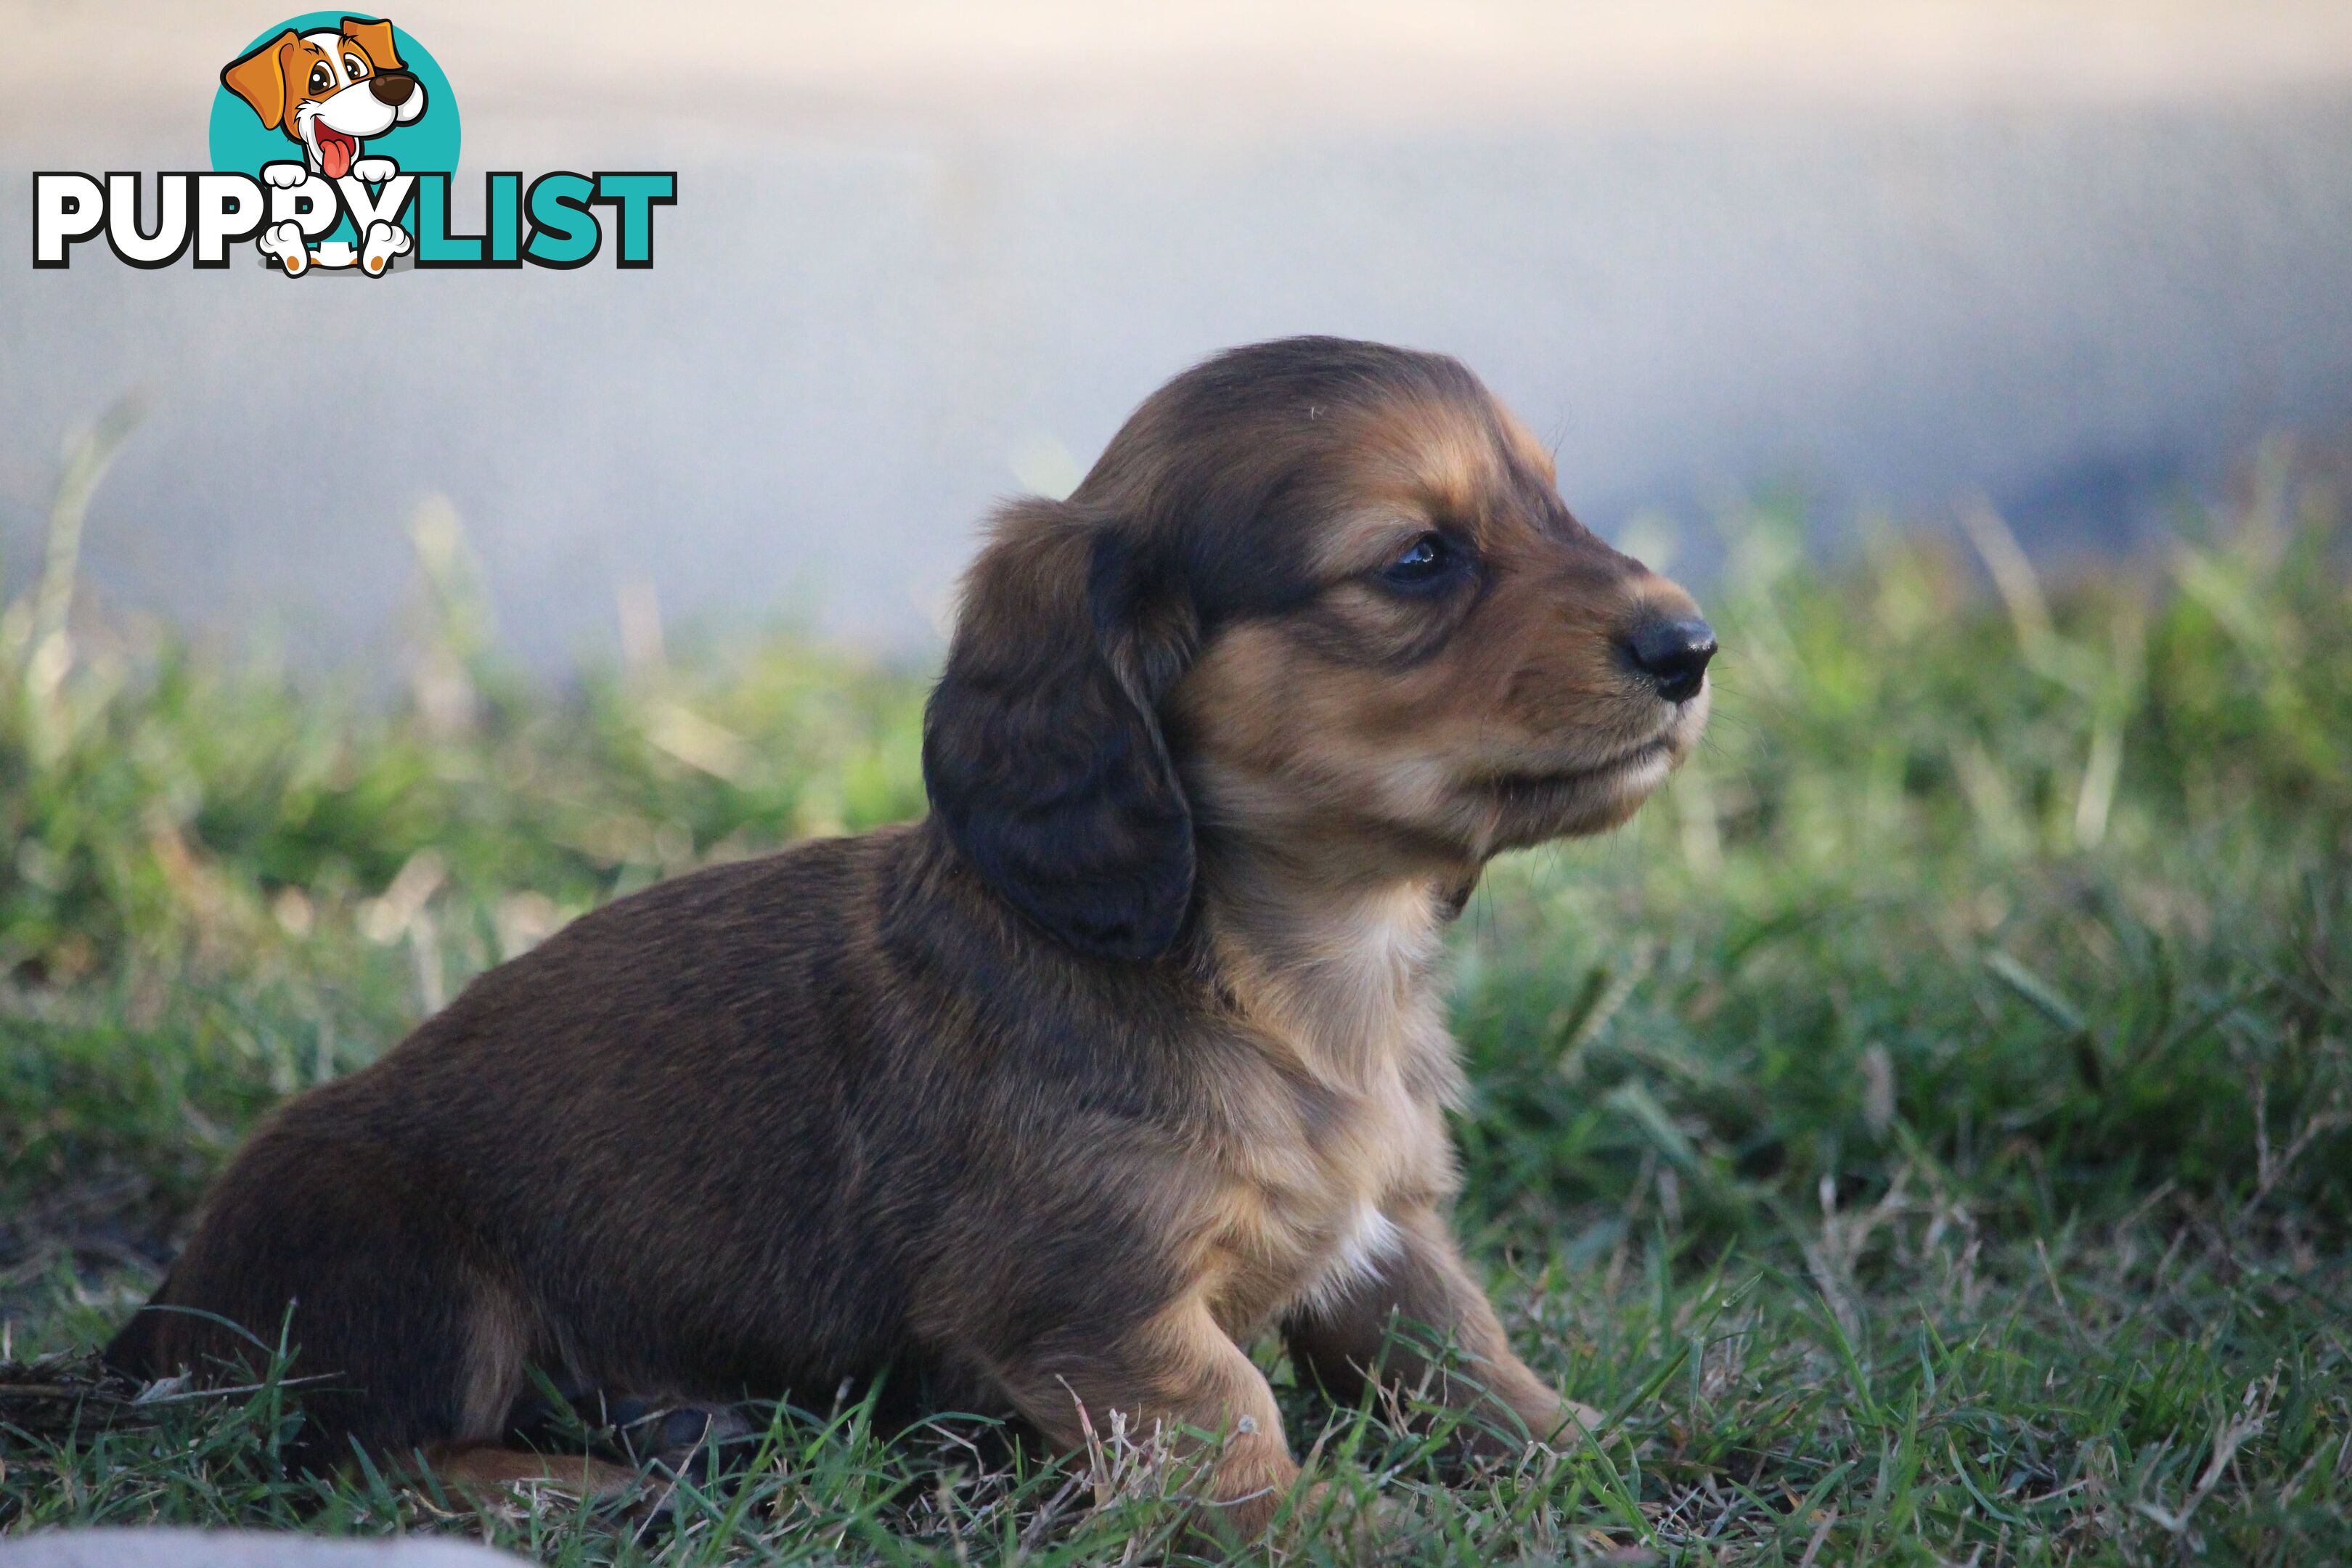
(329, 91)
(1317, 595)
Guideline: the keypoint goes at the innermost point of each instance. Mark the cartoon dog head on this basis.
(329, 91)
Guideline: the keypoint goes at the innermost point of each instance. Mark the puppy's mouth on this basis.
(336, 151)
(1653, 756)
(1530, 806)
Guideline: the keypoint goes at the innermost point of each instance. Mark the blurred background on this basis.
(2069, 257)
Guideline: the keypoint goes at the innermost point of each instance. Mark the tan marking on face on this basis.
(1414, 466)
(1435, 727)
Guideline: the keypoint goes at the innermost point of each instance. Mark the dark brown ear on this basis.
(1042, 747)
(260, 79)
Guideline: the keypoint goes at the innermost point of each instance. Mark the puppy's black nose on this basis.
(1674, 655)
(391, 86)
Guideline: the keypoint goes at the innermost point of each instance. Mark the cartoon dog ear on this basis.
(375, 38)
(260, 79)
(1042, 746)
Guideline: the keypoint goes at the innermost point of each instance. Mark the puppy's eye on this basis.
(1427, 560)
(354, 66)
(322, 78)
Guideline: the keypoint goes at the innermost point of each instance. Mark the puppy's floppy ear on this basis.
(374, 39)
(260, 79)
(1042, 748)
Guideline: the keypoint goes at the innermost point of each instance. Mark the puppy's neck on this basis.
(1339, 962)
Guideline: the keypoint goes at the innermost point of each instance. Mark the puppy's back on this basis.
(620, 1156)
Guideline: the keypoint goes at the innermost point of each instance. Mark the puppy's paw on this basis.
(680, 1437)
(1376, 1529)
(374, 171)
(697, 1445)
(284, 176)
(283, 243)
(1579, 1422)
(384, 241)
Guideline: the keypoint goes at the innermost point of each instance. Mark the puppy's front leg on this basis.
(1178, 1373)
(1424, 1282)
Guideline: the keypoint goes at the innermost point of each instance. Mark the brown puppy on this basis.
(1053, 1102)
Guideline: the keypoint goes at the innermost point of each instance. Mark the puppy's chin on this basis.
(1576, 802)
(1533, 808)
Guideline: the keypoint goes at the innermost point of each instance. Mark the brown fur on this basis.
(1052, 1102)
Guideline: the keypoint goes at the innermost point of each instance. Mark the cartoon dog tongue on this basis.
(335, 152)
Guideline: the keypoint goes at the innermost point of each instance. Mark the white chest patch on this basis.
(1371, 1241)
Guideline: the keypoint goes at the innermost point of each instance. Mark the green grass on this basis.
(1928, 1128)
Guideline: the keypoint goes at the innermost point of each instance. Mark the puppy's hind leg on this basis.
(400, 1330)
(482, 1460)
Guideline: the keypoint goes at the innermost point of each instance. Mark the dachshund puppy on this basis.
(1054, 1102)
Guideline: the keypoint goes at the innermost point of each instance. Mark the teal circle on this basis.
(428, 144)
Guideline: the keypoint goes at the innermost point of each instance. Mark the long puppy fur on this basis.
(1050, 1103)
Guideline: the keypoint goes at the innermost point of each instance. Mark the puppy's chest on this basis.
(1311, 1181)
